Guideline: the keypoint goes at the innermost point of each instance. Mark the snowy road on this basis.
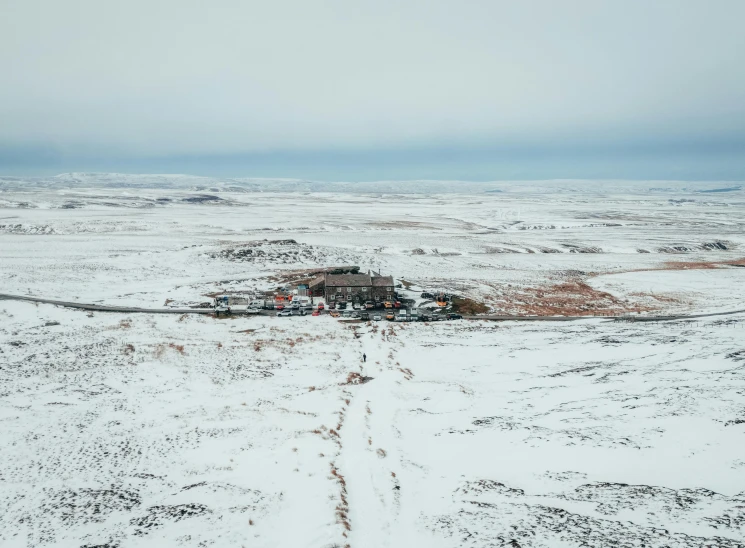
(140, 310)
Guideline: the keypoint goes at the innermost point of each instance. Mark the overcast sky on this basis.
(373, 90)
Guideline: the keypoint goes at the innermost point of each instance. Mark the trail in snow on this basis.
(370, 455)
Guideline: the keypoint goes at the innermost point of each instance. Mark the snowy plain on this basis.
(148, 430)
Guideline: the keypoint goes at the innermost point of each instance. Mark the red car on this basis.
(279, 307)
(397, 304)
(320, 306)
(316, 313)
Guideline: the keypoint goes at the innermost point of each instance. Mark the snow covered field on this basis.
(142, 430)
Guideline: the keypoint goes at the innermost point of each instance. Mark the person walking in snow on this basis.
(364, 357)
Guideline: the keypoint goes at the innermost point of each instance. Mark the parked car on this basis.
(397, 304)
(390, 316)
(341, 305)
(346, 314)
(295, 306)
(253, 311)
(388, 304)
(377, 317)
(453, 316)
(332, 305)
(355, 314)
(335, 314)
(320, 306)
(285, 313)
(369, 304)
(364, 315)
(316, 313)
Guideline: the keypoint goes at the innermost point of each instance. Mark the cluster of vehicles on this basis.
(302, 306)
(226, 304)
(403, 315)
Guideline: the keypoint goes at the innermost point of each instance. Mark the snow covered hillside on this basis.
(132, 430)
(169, 431)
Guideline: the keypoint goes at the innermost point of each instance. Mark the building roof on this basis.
(380, 281)
(320, 280)
(348, 280)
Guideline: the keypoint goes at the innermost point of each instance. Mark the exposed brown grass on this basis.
(160, 349)
(342, 509)
(177, 347)
(576, 298)
(699, 265)
(126, 323)
(570, 298)
(408, 375)
(464, 305)
(353, 378)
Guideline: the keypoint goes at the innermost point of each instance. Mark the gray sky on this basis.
(654, 87)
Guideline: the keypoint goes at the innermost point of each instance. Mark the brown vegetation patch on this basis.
(177, 347)
(570, 298)
(160, 349)
(469, 307)
(356, 378)
(694, 265)
(342, 509)
(679, 265)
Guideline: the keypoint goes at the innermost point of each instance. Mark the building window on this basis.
(331, 297)
(338, 289)
(389, 288)
(349, 290)
(364, 290)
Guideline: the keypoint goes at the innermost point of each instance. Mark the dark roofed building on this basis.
(382, 288)
(348, 287)
(354, 287)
